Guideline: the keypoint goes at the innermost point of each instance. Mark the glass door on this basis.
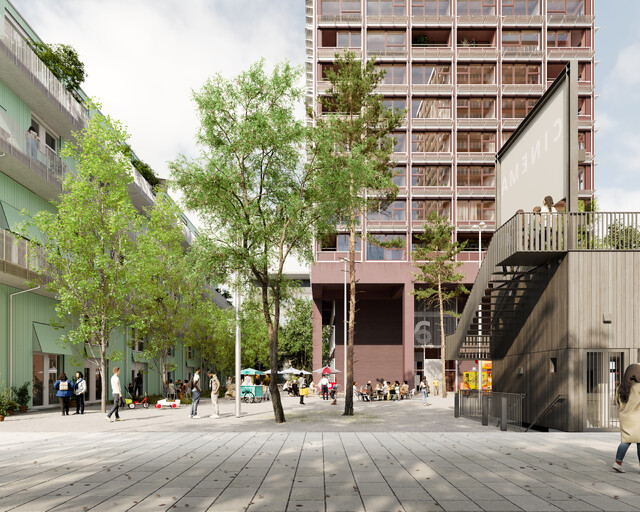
(38, 379)
(604, 373)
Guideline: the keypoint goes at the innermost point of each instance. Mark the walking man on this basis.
(214, 384)
(116, 391)
(324, 387)
(195, 394)
(302, 384)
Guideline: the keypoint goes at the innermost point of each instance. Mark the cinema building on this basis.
(467, 72)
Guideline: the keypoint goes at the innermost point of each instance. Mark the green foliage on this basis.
(5, 404)
(21, 394)
(420, 40)
(143, 168)
(63, 61)
(621, 236)
(296, 335)
(250, 187)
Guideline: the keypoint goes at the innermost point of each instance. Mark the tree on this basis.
(89, 247)
(435, 254)
(63, 61)
(352, 149)
(296, 335)
(250, 187)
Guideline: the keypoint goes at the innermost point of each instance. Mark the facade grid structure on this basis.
(466, 72)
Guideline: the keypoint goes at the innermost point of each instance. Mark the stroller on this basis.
(131, 402)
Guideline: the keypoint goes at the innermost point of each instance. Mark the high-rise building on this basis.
(467, 72)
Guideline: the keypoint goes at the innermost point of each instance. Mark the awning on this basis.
(46, 339)
(12, 219)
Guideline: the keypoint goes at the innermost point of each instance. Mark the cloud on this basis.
(624, 74)
(616, 199)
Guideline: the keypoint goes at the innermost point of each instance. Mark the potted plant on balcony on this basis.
(22, 396)
(12, 408)
(4, 402)
(420, 40)
(63, 61)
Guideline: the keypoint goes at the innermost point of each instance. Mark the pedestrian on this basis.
(63, 387)
(171, 390)
(195, 394)
(302, 387)
(324, 387)
(79, 387)
(178, 388)
(32, 143)
(116, 391)
(139, 384)
(424, 389)
(214, 384)
(295, 389)
(628, 399)
(436, 386)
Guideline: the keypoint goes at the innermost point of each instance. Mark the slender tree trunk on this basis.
(348, 392)
(103, 375)
(272, 325)
(443, 350)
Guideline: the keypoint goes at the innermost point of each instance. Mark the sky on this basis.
(145, 57)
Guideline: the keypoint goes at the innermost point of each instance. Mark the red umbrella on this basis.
(326, 370)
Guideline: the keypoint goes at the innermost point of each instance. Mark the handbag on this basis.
(304, 391)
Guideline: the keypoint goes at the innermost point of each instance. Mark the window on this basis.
(521, 74)
(520, 7)
(476, 176)
(377, 253)
(348, 39)
(466, 7)
(421, 208)
(393, 211)
(517, 108)
(572, 7)
(475, 210)
(189, 353)
(429, 7)
(553, 365)
(343, 243)
(386, 41)
(431, 176)
(430, 108)
(400, 145)
(506, 136)
(396, 75)
(476, 108)
(431, 74)
(386, 7)
(339, 6)
(431, 142)
(476, 74)
(476, 142)
(521, 38)
(395, 103)
(558, 38)
(400, 176)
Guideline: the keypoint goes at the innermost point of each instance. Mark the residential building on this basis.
(467, 72)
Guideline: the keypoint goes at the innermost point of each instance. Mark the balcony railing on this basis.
(478, 19)
(330, 53)
(570, 53)
(491, 89)
(522, 21)
(432, 123)
(477, 53)
(18, 258)
(388, 53)
(23, 52)
(521, 53)
(433, 19)
(444, 89)
(340, 19)
(523, 88)
(388, 20)
(431, 52)
(569, 19)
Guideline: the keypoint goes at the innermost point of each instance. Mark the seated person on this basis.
(368, 389)
(404, 390)
(247, 381)
(364, 394)
(230, 393)
(378, 390)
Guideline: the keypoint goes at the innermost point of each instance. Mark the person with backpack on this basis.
(63, 388)
(79, 388)
(195, 394)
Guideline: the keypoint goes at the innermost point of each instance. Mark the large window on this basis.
(476, 142)
(476, 108)
(521, 38)
(475, 210)
(393, 211)
(476, 74)
(521, 74)
(430, 74)
(517, 108)
(340, 243)
(400, 176)
(430, 7)
(395, 74)
(476, 176)
(386, 41)
(400, 145)
(431, 142)
(386, 7)
(558, 39)
(339, 6)
(349, 39)
(466, 7)
(520, 7)
(421, 208)
(573, 7)
(377, 253)
(395, 103)
(431, 108)
(431, 176)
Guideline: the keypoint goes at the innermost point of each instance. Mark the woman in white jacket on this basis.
(628, 398)
(79, 389)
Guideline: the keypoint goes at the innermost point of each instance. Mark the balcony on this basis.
(335, 256)
(568, 20)
(140, 191)
(432, 123)
(26, 75)
(476, 158)
(34, 165)
(438, 89)
(477, 53)
(477, 123)
(431, 52)
(399, 158)
(392, 89)
(388, 54)
(511, 123)
(330, 53)
(323, 86)
(476, 192)
(523, 89)
(481, 89)
(387, 225)
(521, 53)
(435, 192)
(432, 158)
(479, 20)
(387, 21)
(18, 263)
(467, 224)
(565, 54)
(432, 20)
(339, 20)
(585, 88)
(522, 21)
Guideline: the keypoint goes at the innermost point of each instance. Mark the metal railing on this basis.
(492, 407)
(17, 251)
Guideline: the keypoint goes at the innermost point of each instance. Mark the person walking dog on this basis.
(628, 399)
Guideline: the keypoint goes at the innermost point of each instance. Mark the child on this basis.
(628, 398)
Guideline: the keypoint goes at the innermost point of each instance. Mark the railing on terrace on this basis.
(17, 252)
(23, 52)
(546, 233)
(499, 405)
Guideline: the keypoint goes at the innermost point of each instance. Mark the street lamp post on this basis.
(480, 226)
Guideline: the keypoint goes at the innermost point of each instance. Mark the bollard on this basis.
(485, 410)
(456, 405)
(503, 413)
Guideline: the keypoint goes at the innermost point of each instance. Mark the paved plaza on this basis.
(388, 457)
